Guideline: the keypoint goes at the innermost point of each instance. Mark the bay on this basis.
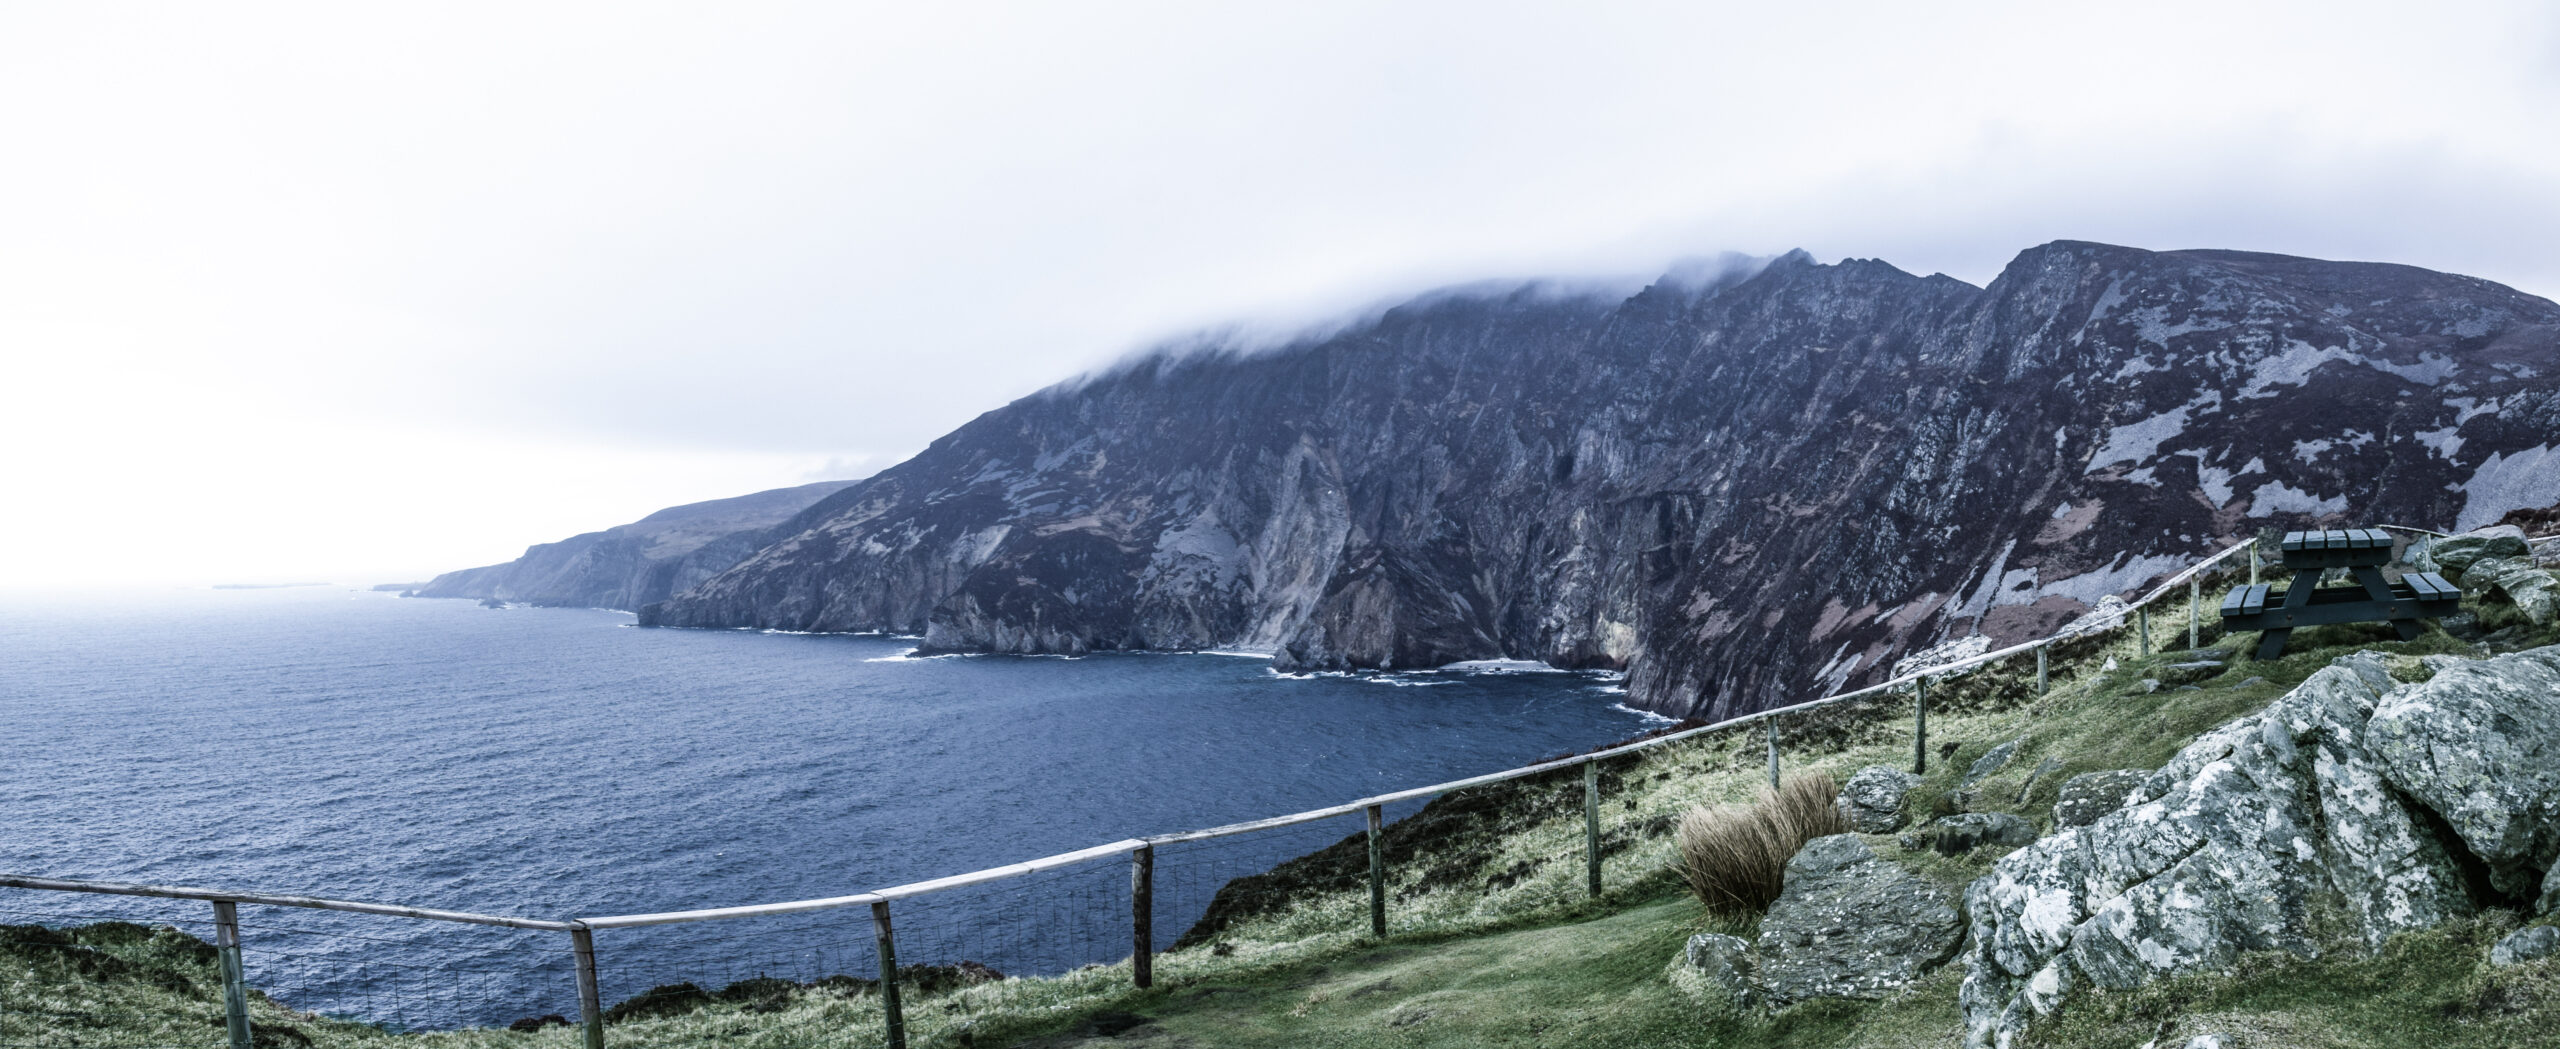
(557, 763)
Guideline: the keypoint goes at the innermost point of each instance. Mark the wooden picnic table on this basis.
(2275, 611)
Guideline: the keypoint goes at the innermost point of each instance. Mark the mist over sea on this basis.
(557, 763)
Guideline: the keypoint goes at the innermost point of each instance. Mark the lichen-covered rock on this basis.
(2479, 744)
(1966, 831)
(2524, 945)
(2217, 855)
(2532, 589)
(1872, 800)
(1851, 925)
(2453, 555)
(2089, 795)
(1724, 961)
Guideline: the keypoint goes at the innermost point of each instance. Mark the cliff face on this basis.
(1744, 490)
(631, 565)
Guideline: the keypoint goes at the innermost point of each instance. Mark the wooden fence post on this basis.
(1377, 871)
(590, 1000)
(235, 990)
(2253, 562)
(1920, 729)
(1591, 824)
(2142, 619)
(897, 1018)
(2195, 614)
(1142, 915)
(2041, 688)
(1773, 752)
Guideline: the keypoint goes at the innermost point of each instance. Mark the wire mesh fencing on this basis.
(109, 974)
(323, 968)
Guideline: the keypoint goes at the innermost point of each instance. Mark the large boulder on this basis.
(1872, 800)
(2089, 795)
(1851, 925)
(2219, 853)
(2453, 555)
(2479, 744)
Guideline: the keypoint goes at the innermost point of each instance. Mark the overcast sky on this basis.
(362, 292)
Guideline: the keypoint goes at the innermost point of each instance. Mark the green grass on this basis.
(1494, 941)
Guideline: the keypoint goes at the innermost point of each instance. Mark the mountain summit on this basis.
(1744, 487)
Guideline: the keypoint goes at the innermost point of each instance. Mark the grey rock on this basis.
(2525, 945)
(2454, 555)
(2253, 680)
(2218, 854)
(2532, 589)
(1872, 799)
(2208, 1041)
(1966, 831)
(2089, 795)
(1851, 925)
(1990, 762)
(2150, 685)
(1725, 961)
(2479, 744)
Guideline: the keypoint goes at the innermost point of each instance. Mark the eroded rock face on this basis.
(2087, 796)
(2479, 744)
(1851, 925)
(2218, 855)
(1872, 800)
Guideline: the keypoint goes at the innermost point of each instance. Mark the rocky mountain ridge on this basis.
(1743, 489)
(628, 566)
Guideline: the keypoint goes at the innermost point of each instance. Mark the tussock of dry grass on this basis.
(1734, 857)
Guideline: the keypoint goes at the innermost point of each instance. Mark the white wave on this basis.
(910, 656)
(1649, 717)
(1237, 652)
(1503, 666)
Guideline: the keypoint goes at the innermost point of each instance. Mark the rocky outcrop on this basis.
(1850, 925)
(1743, 485)
(2087, 796)
(1871, 801)
(2403, 805)
(2532, 589)
(631, 565)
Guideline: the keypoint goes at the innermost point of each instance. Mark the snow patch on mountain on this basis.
(2530, 477)
(2276, 497)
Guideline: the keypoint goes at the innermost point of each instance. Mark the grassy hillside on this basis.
(1493, 940)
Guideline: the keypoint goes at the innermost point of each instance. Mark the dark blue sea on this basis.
(557, 763)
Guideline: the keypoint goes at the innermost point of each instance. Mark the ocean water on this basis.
(557, 763)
